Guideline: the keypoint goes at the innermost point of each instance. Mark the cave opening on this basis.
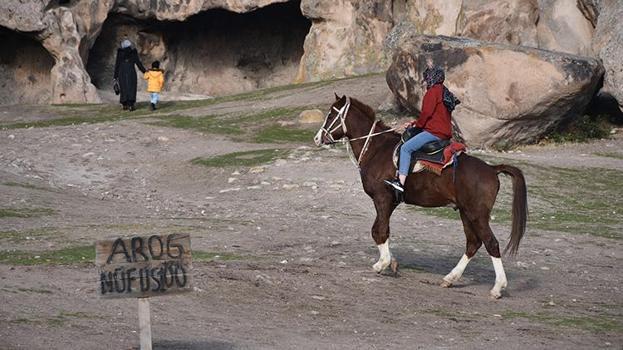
(215, 52)
(24, 69)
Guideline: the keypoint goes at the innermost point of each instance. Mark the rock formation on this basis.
(214, 52)
(509, 94)
(24, 70)
(501, 21)
(346, 38)
(608, 46)
(563, 27)
(429, 16)
(65, 48)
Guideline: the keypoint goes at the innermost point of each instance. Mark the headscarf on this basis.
(436, 75)
(126, 43)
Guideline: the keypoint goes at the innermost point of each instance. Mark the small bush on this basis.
(582, 129)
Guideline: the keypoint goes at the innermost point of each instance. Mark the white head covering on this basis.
(126, 43)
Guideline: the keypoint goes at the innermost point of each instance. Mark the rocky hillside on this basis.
(63, 50)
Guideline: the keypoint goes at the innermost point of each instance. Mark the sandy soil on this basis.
(297, 236)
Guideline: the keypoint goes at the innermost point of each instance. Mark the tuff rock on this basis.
(65, 49)
(510, 94)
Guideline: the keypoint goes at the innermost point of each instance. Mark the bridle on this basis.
(342, 113)
(341, 116)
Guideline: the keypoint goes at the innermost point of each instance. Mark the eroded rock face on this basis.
(501, 21)
(23, 15)
(236, 57)
(207, 51)
(563, 27)
(510, 95)
(346, 38)
(608, 46)
(213, 53)
(180, 10)
(590, 10)
(61, 30)
(24, 70)
(429, 16)
(69, 79)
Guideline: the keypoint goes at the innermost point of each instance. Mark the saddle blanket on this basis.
(436, 161)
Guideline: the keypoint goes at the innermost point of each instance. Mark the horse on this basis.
(471, 187)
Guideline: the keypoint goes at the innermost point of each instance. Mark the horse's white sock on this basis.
(385, 257)
(457, 271)
(500, 278)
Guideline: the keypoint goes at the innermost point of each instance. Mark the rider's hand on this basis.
(406, 125)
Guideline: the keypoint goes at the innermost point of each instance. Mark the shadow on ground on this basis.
(193, 345)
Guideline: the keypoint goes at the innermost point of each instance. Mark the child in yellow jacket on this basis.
(155, 81)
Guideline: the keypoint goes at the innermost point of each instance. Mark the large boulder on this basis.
(510, 94)
(608, 46)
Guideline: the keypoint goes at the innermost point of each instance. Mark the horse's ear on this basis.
(337, 98)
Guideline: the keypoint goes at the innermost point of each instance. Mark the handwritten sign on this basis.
(139, 267)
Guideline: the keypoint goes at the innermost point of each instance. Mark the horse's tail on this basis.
(520, 206)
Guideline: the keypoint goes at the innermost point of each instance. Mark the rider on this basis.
(434, 121)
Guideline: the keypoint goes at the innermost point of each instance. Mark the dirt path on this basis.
(284, 249)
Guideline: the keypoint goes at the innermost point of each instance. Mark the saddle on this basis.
(433, 156)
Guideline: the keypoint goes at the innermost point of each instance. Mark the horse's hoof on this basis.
(446, 284)
(394, 266)
(378, 267)
(495, 294)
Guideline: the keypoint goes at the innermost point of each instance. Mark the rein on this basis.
(342, 113)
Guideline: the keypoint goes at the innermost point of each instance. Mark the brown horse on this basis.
(472, 188)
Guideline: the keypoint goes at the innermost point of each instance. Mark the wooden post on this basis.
(144, 323)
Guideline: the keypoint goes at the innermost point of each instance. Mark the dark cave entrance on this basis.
(215, 52)
(24, 69)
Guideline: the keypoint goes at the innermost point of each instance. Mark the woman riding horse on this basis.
(435, 121)
(471, 188)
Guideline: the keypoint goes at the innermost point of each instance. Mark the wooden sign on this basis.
(138, 267)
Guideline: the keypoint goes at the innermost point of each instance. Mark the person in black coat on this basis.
(125, 74)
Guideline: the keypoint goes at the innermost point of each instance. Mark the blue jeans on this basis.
(411, 146)
(155, 96)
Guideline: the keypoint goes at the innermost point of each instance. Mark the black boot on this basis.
(132, 107)
(152, 106)
(125, 107)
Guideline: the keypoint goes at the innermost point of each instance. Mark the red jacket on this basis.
(435, 117)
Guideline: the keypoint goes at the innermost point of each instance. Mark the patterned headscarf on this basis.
(436, 75)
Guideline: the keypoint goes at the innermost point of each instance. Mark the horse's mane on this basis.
(369, 112)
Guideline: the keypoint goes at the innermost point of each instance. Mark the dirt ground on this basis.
(288, 246)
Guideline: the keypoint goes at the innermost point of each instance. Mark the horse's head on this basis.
(334, 126)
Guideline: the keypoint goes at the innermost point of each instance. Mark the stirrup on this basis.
(399, 194)
(395, 184)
